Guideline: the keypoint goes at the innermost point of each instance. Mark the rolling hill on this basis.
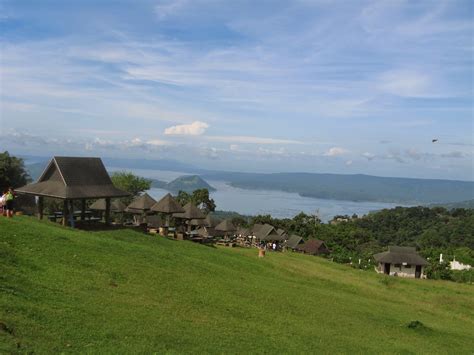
(121, 291)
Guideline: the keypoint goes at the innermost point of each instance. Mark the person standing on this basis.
(2, 204)
(9, 202)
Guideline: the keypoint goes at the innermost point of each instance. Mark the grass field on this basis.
(117, 292)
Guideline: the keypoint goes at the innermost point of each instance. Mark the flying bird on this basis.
(434, 140)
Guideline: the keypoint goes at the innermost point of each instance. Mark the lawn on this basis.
(64, 290)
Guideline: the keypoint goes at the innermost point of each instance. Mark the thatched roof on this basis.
(293, 241)
(115, 205)
(206, 232)
(141, 204)
(243, 231)
(400, 255)
(314, 247)
(74, 178)
(266, 232)
(226, 226)
(212, 221)
(167, 205)
(190, 212)
(282, 233)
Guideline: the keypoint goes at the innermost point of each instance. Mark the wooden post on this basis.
(65, 212)
(83, 209)
(71, 214)
(40, 207)
(107, 211)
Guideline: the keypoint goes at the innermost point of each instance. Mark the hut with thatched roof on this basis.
(116, 206)
(141, 204)
(266, 233)
(190, 212)
(313, 247)
(294, 241)
(70, 179)
(400, 261)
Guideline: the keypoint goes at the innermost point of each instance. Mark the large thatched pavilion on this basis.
(74, 178)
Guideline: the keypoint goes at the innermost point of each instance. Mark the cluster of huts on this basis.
(73, 179)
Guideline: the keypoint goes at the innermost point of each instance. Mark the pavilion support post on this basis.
(83, 209)
(107, 211)
(71, 214)
(40, 207)
(65, 212)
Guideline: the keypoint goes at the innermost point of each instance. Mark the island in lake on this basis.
(187, 183)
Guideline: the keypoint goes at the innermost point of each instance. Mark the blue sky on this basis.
(321, 86)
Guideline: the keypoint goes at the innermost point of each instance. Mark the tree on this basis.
(183, 197)
(199, 197)
(202, 200)
(130, 183)
(12, 171)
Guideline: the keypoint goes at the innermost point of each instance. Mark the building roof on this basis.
(282, 233)
(141, 204)
(190, 212)
(400, 255)
(314, 246)
(212, 221)
(243, 231)
(167, 205)
(226, 226)
(115, 205)
(266, 232)
(294, 241)
(207, 232)
(74, 178)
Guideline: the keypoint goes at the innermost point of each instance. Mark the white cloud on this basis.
(251, 140)
(194, 129)
(368, 156)
(405, 83)
(168, 8)
(336, 151)
(157, 142)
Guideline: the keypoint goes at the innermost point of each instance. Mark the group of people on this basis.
(6, 203)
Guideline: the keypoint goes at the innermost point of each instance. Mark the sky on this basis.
(319, 86)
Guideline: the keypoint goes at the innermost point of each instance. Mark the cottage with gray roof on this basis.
(401, 261)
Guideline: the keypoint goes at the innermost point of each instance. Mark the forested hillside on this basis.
(431, 230)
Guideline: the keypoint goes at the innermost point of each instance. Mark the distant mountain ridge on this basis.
(317, 185)
(354, 187)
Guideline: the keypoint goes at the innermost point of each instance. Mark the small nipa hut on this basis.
(313, 247)
(401, 261)
(226, 227)
(74, 179)
(167, 205)
(141, 204)
(294, 241)
(190, 212)
(266, 233)
(206, 226)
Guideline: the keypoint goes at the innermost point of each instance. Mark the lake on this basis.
(279, 204)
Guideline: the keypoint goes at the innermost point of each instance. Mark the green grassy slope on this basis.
(124, 292)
